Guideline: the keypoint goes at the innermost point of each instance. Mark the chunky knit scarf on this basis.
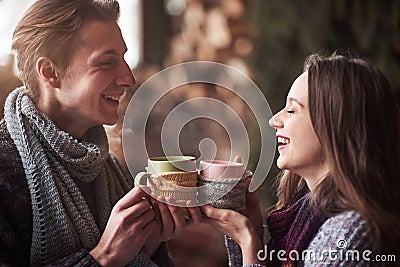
(53, 160)
(292, 229)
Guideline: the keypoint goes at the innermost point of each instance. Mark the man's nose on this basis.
(126, 78)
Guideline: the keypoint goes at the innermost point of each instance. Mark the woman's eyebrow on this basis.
(292, 99)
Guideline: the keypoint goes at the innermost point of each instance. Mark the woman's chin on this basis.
(280, 164)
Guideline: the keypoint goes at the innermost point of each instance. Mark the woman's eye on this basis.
(290, 111)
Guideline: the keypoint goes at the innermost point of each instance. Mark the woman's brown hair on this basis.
(49, 28)
(356, 118)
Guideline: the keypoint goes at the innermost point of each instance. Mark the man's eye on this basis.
(106, 63)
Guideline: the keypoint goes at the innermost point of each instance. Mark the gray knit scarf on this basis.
(53, 160)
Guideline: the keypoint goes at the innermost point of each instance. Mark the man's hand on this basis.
(170, 222)
(131, 222)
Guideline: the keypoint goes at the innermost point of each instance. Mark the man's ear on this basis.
(48, 72)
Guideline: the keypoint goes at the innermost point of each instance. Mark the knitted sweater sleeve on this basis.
(82, 258)
(343, 240)
(235, 258)
(16, 211)
(15, 206)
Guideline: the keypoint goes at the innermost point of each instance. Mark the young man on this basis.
(63, 198)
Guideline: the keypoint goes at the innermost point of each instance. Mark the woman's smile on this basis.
(283, 142)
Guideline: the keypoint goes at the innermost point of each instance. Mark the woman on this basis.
(338, 142)
(64, 199)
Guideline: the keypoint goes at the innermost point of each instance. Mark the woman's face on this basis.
(299, 148)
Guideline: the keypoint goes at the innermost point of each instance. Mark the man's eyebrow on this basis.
(98, 56)
(296, 101)
(110, 52)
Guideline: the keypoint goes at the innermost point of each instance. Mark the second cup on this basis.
(223, 184)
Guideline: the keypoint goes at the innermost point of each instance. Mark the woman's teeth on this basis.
(112, 97)
(283, 141)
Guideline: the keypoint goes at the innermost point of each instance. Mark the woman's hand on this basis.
(131, 222)
(231, 223)
(170, 222)
(253, 210)
(239, 228)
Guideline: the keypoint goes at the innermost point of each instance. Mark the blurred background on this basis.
(268, 40)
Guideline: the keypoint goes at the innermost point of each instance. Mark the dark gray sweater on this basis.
(342, 240)
(16, 214)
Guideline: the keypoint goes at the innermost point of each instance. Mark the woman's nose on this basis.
(271, 122)
(275, 122)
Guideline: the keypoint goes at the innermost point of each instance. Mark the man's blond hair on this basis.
(49, 28)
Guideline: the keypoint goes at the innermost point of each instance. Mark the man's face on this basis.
(97, 76)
